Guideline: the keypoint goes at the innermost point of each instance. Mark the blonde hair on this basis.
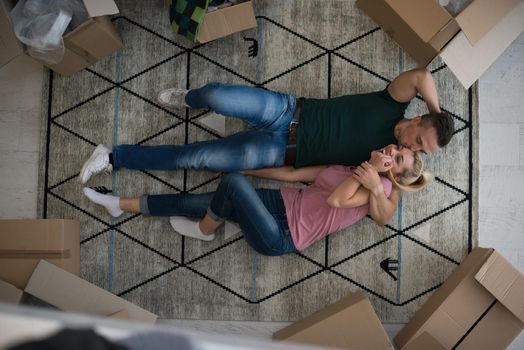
(415, 179)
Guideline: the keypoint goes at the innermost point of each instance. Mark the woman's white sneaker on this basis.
(98, 162)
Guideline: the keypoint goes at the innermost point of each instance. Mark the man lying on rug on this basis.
(285, 130)
(276, 222)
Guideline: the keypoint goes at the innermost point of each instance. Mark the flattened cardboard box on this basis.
(480, 306)
(86, 44)
(24, 242)
(350, 323)
(478, 34)
(71, 293)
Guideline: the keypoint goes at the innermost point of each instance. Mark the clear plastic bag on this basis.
(40, 25)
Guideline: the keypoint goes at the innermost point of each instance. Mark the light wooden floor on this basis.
(501, 216)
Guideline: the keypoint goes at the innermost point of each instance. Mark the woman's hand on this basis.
(380, 161)
(367, 176)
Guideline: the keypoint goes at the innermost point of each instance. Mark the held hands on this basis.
(367, 175)
(380, 161)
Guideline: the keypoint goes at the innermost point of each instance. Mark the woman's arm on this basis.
(287, 173)
(345, 195)
(381, 208)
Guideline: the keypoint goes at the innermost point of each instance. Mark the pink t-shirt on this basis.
(309, 216)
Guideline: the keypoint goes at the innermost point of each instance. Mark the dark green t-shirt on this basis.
(344, 130)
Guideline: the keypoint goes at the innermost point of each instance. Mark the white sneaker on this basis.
(98, 162)
(173, 97)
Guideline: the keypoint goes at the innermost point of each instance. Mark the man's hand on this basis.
(368, 177)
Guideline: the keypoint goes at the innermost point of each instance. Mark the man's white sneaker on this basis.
(173, 97)
(98, 162)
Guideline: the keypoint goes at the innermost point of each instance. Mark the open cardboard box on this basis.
(225, 21)
(89, 42)
(468, 43)
(68, 292)
(24, 242)
(480, 306)
(350, 323)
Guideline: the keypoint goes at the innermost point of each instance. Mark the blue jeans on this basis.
(268, 114)
(260, 213)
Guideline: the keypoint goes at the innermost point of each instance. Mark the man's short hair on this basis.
(443, 123)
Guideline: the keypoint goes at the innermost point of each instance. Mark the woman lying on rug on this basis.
(276, 222)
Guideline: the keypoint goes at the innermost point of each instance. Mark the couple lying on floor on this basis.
(289, 139)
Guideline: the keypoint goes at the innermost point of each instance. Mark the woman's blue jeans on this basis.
(268, 114)
(260, 213)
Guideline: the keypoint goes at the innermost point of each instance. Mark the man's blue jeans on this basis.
(260, 213)
(268, 114)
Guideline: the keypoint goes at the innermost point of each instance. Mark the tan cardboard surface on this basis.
(9, 293)
(120, 315)
(424, 341)
(350, 323)
(505, 282)
(71, 293)
(24, 242)
(495, 331)
(421, 319)
(390, 21)
(226, 21)
(468, 62)
(481, 16)
(425, 17)
(9, 45)
(454, 312)
(86, 37)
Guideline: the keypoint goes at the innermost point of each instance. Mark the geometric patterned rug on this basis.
(309, 48)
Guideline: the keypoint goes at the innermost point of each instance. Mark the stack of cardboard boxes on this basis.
(42, 258)
(480, 306)
(468, 43)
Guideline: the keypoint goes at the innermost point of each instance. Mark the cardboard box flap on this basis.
(459, 52)
(44, 236)
(9, 293)
(505, 282)
(425, 17)
(100, 7)
(71, 293)
(424, 341)
(481, 16)
(350, 323)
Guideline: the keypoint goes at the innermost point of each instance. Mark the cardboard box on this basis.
(9, 293)
(350, 323)
(424, 341)
(468, 43)
(120, 315)
(71, 293)
(225, 21)
(89, 42)
(480, 306)
(24, 242)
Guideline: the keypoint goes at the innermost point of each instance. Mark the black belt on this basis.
(291, 149)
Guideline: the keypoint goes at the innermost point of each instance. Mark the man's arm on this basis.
(287, 173)
(406, 86)
(344, 196)
(381, 208)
